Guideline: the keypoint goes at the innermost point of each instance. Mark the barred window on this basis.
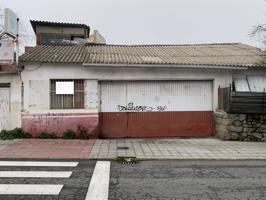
(70, 98)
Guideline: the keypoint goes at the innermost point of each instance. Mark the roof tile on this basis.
(231, 54)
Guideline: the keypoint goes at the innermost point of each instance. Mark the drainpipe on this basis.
(22, 88)
(19, 68)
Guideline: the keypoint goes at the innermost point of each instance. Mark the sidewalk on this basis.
(46, 148)
(177, 149)
(147, 149)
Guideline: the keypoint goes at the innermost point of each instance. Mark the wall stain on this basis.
(46, 122)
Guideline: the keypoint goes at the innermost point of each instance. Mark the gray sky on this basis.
(151, 21)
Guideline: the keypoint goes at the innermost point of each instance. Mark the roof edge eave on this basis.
(23, 62)
(168, 66)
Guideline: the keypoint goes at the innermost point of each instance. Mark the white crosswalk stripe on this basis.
(30, 189)
(38, 164)
(36, 174)
(33, 189)
(99, 185)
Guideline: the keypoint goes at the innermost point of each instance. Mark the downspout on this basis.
(19, 71)
(22, 88)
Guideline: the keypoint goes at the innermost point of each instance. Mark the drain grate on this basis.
(127, 160)
(122, 147)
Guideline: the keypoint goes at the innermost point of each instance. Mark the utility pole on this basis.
(17, 43)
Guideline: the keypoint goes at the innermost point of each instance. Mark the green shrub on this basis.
(69, 134)
(16, 133)
(6, 135)
(19, 133)
(44, 135)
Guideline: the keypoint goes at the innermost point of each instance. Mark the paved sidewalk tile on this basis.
(205, 148)
(47, 148)
(5, 143)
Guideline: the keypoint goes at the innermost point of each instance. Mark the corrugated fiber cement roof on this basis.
(225, 54)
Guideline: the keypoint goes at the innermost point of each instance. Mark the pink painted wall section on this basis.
(58, 123)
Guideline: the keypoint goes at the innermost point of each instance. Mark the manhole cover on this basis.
(127, 160)
(122, 148)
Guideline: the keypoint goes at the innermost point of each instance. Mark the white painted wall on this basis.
(45, 72)
(154, 96)
(254, 71)
(15, 98)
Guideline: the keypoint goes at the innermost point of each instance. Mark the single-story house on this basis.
(130, 90)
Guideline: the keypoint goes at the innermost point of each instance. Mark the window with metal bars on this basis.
(67, 101)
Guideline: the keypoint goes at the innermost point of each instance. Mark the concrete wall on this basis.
(15, 98)
(36, 78)
(60, 30)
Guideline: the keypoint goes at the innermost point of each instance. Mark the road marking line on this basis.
(30, 189)
(99, 185)
(36, 174)
(38, 164)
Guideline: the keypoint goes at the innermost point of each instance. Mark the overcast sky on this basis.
(151, 21)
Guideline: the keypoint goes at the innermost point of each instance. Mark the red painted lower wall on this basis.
(123, 124)
(58, 123)
(156, 124)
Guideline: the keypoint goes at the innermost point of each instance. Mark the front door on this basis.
(4, 108)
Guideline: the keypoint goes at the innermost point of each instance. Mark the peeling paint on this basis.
(58, 123)
(4, 108)
(91, 94)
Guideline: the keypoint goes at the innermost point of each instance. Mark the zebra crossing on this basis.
(54, 180)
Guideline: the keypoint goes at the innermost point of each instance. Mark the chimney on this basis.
(96, 38)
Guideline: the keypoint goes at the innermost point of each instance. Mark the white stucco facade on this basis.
(36, 78)
(35, 104)
(15, 98)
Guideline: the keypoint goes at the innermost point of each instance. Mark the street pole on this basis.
(17, 43)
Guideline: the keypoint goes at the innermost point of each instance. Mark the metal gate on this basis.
(4, 108)
(156, 109)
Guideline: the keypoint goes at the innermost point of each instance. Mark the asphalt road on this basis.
(194, 180)
(152, 180)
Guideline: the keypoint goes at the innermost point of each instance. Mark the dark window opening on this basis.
(67, 101)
